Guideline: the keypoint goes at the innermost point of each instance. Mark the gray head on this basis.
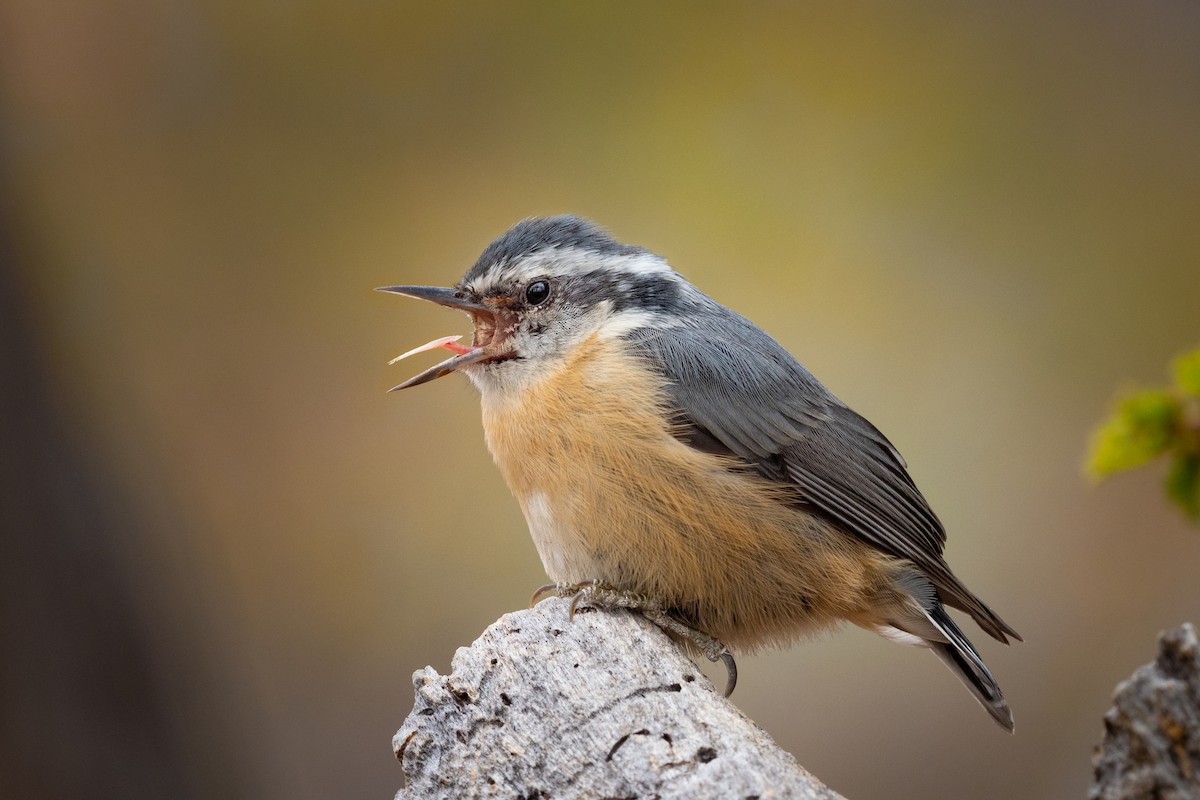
(545, 286)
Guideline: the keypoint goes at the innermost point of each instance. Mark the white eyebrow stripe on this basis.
(573, 261)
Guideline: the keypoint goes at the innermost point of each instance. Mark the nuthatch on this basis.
(670, 456)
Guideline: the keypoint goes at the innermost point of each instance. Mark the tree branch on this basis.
(602, 707)
(1151, 746)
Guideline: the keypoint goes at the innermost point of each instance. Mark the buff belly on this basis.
(609, 493)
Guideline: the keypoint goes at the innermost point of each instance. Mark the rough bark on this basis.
(602, 707)
(1151, 747)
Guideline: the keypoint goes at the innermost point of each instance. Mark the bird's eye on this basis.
(537, 292)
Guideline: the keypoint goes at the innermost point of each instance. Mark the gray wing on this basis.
(738, 392)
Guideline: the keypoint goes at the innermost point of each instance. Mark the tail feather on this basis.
(956, 595)
(925, 623)
(958, 654)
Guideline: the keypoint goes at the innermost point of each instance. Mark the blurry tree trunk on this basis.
(84, 709)
(605, 706)
(1151, 747)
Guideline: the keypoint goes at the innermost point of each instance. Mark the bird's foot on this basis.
(598, 594)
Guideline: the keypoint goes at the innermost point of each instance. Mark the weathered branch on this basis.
(602, 707)
(1151, 747)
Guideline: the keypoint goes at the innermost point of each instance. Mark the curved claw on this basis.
(574, 603)
(730, 671)
(541, 592)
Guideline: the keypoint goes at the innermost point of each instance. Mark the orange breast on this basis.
(609, 493)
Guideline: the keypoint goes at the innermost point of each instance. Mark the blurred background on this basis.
(225, 549)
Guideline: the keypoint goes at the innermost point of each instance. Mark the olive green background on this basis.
(227, 549)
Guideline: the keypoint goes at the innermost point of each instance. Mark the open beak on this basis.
(464, 355)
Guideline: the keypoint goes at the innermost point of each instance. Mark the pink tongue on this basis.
(446, 342)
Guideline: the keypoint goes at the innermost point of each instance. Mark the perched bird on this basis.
(672, 457)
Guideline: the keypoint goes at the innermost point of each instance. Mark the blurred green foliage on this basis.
(1154, 422)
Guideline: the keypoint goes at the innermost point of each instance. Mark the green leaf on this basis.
(1140, 428)
(1187, 372)
(1183, 484)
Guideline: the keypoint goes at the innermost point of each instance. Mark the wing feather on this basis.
(736, 390)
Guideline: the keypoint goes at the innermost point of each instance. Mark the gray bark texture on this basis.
(1151, 747)
(605, 706)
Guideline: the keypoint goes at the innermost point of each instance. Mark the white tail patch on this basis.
(900, 637)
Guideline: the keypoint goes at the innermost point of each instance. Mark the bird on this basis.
(671, 457)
